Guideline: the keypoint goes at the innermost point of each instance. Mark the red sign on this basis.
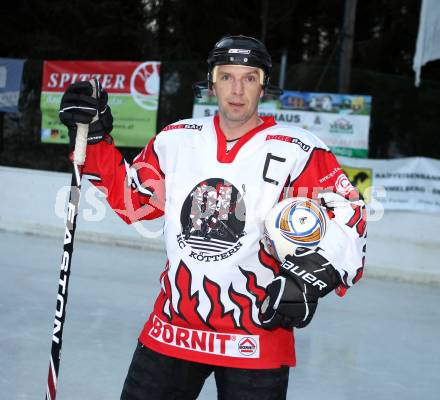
(115, 76)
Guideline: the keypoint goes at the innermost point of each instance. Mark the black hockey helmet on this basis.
(240, 50)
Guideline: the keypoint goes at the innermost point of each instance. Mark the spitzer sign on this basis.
(133, 89)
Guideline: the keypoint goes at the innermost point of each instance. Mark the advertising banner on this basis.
(341, 121)
(133, 89)
(11, 71)
(411, 184)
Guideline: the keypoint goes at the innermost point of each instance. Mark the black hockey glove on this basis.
(292, 297)
(78, 106)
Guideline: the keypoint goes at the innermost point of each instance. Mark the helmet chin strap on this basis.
(260, 72)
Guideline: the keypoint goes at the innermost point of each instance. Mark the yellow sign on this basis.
(362, 178)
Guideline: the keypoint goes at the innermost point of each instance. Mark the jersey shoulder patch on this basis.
(306, 140)
(194, 124)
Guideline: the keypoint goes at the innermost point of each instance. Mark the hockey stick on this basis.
(79, 157)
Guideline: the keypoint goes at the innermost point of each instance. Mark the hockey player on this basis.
(221, 308)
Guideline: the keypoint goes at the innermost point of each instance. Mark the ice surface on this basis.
(379, 342)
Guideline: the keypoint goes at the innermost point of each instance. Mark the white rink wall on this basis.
(402, 245)
(34, 202)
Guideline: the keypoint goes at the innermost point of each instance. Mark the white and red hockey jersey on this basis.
(214, 202)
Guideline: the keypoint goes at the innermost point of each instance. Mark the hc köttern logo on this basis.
(212, 220)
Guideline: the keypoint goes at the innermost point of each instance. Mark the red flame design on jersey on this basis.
(359, 274)
(245, 305)
(360, 270)
(217, 315)
(186, 301)
(359, 219)
(252, 287)
(187, 315)
(267, 260)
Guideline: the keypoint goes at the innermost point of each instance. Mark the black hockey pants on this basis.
(153, 376)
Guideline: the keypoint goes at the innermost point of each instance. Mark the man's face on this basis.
(238, 90)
